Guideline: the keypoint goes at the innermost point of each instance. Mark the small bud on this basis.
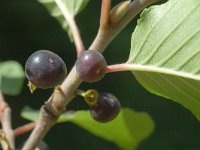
(118, 12)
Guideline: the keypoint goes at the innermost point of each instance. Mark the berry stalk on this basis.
(73, 27)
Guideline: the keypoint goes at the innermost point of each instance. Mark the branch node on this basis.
(118, 12)
(54, 105)
(50, 109)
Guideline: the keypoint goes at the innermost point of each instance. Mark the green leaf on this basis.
(128, 130)
(11, 77)
(73, 7)
(29, 113)
(165, 52)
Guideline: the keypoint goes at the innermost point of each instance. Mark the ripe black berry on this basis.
(45, 69)
(106, 108)
(91, 66)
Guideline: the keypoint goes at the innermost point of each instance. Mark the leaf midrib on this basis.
(158, 69)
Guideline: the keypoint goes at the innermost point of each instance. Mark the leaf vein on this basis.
(156, 49)
(163, 61)
(183, 63)
(182, 92)
(160, 86)
(150, 31)
(189, 85)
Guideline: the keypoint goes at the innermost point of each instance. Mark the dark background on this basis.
(26, 26)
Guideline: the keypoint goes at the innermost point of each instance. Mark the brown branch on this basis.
(24, 129)
(103, 38)
(5, 117)
(105, 14)
(44, 123)
(56, 104)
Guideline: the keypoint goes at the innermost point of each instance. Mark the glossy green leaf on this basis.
(11, 77)
(128, 130)
(73, 7)
(165, 52)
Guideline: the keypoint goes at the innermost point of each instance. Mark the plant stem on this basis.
(105, 14)
(24, 129)
(74, 29)
(5, 117)
(116, 68)
(4, 141)
(143, 68)
(50, 112)
(44, 123)
(56, 104)
(104, 38)
(80, 92)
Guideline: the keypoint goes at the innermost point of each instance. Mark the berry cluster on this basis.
(44, 69)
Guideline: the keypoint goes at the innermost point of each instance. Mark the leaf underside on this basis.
(128, 130)
(72, 6)
(167, 37)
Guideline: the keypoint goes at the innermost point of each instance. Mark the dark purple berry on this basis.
(106, 108)
(91, 66)
(45, 69)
